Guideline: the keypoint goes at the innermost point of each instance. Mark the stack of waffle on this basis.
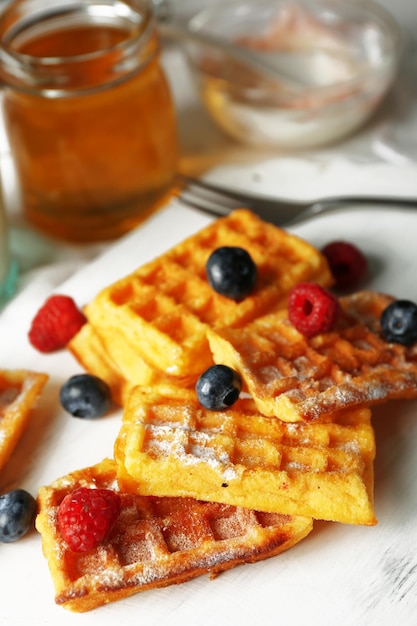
(203, 491)
(151, 327)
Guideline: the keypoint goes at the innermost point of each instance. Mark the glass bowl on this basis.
(328, 64)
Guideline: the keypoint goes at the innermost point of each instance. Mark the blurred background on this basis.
(390, 136)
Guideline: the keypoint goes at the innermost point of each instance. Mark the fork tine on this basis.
(211, 201)
(200, 186)
(197, 203)
(218, 200)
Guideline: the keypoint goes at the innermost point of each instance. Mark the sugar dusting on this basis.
(189, 446)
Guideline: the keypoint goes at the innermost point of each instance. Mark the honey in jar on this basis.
(88, 114)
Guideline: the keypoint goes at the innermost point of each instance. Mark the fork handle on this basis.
(324, 204)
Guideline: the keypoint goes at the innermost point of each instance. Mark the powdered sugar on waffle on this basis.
(296, 378)
(189, 446)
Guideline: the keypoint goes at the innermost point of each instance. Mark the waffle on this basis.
(156, 541)
(161, 312)
(169, 445)
(91, 352)
(19, 392)
(95, 353)
(295, 378)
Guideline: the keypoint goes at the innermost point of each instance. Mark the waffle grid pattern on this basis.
(169, 446)
(19, 392)
(156, 541)
(232, 439)
(295, 378)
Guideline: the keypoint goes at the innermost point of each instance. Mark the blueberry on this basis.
(17, 514)
(218, 387)
(399, 322)
(231, 272)
(84, 395)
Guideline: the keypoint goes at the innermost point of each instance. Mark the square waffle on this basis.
(161, 312)
(19, 392)
(169, 445)
(156, 541)
(295, 378)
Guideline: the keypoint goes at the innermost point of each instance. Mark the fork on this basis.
(218, 201)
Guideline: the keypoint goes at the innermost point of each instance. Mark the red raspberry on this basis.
(56, 322)
(85, 516)
(312, 309)
(347, 263)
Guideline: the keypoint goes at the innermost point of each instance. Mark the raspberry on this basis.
(85, 516)
(312, 309)
(56, 322)
(347, 263)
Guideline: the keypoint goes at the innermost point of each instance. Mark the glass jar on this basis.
(8, 266)
(88, 114)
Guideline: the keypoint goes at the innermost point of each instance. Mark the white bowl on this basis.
(343, 56)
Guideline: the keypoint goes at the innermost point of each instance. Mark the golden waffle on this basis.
(19, 392)
(169, 445)
(90, 351)
(161, 312)
(156, 541)
(295, 378)
(95, 353)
